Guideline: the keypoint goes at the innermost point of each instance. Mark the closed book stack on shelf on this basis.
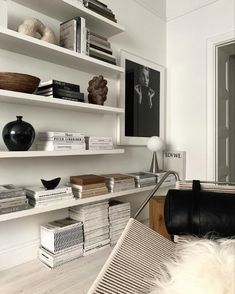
(99, 143)
(88, 185)
(74, 35)
(95, 225)
(61, 241)
(60, 90)
(119, 214)
(119, 182)
(100, 48)
(143, 179)
(40, 196)
(60, 141)
(100, 8)
(12, 199)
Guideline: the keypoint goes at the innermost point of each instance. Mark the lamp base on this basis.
(154, 168)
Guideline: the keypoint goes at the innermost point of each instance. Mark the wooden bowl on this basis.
(18, 82)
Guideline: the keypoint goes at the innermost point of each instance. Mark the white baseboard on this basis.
(18, 254)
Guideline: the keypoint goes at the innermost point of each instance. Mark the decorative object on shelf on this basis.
(97, 90)
(155, 144)
(51, 184)
(142, 95)
(18, 82)
(18, 135)
(34, 28)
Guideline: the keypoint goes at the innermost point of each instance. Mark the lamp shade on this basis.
(155, 144)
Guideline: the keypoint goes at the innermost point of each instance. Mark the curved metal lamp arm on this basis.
(152, 193)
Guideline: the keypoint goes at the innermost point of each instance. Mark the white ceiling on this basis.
(170, 9)
(176, 8)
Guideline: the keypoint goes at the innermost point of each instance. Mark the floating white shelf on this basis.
(29, 154)
(75, 202)
(42, 101)
(66, 9)
(29, 46)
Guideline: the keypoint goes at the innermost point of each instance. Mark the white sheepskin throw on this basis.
(201, 266)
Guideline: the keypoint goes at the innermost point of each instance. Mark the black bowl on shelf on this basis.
(52, 184)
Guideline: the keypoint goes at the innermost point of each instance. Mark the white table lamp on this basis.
(155, 144)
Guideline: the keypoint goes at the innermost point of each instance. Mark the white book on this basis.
(45, 147)
(52, 134)
(68, 35)
(91, 251)
(176, 161)
(52, 262)
(97, 245)
(99, 139)
(101, 53)
(40, 191)
(100, 147)
(81, 34)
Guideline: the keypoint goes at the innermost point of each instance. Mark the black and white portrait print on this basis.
(142, 100)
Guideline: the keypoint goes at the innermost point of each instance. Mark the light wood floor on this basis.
(33, 277)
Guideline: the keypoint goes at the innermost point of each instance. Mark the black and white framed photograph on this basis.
(142, 97)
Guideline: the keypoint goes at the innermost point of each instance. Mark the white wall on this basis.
(187, 35)
(145, 36)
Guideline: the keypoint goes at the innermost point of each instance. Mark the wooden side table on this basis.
(156, 216)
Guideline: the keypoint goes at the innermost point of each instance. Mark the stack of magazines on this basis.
(95, 225)
(61, 241)
(60, 90)
(100, 8)
(60, 141)
(88, 186)
(143, 179)
(12, 199)
(40, 196)
(119, 182)
(100, 48)
(119, 214)
(99, 143)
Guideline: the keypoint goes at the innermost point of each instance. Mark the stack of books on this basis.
(61, 241)
(12, 199)
(100, 8)
(60, 90)
(99, 143)
(88, 185)
(40, 196)
(143, 179)
(60, 141)
(95, 225)
(168, 181)
(119, 214)
(119, 182)
(100, 48)
(75, 36)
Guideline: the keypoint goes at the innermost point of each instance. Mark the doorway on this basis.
(225, 113)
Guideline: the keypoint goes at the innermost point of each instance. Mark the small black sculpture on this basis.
(52, 184)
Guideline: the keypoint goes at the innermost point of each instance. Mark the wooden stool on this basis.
(156, 216)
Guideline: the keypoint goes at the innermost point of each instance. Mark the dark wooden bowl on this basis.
(18, 82)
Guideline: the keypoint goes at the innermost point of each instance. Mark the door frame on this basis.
(212, 45)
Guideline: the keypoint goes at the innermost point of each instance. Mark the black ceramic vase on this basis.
(18, 135)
